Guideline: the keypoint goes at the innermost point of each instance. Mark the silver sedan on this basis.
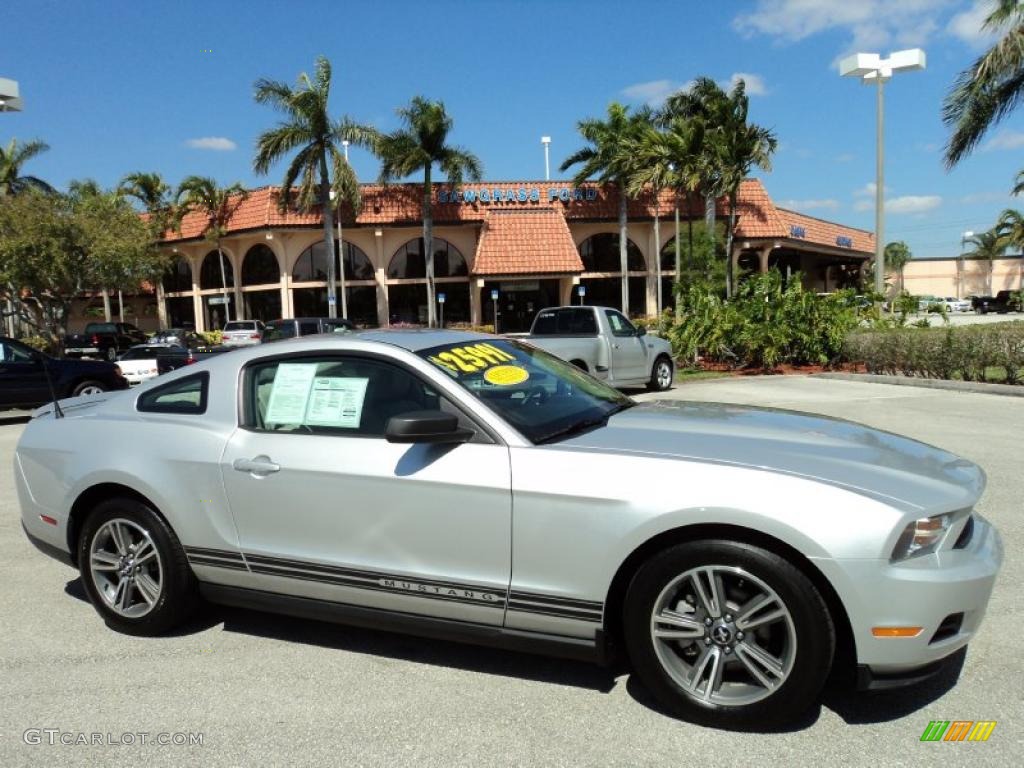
(477, 488)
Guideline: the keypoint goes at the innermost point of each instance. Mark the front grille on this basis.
(949, 627)
(965, 535)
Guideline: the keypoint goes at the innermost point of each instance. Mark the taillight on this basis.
(190, 359)
(95, 339)
(254, 335)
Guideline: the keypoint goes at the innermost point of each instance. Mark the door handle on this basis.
(260, 466)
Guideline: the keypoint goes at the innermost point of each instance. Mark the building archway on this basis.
(407, 283)
(177, 285)
(261, 283)
(310, 271)
(602, 272)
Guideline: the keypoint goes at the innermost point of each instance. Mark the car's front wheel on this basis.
(134, 568)
(727, 634)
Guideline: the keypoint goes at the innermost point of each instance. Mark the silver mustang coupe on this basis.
(476, 488)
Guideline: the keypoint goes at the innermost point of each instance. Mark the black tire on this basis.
(88, 384)
(659, 381)
(177, 597)
(579, 364)
(110, 354)
(810, 635)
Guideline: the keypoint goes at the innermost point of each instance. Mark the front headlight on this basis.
(922, 536)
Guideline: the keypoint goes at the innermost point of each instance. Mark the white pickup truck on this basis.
(601, 341)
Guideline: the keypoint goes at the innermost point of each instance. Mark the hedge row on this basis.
(991, 352)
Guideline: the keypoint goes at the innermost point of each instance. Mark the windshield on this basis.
(545, 398)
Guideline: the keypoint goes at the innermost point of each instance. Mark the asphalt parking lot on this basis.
(277, 691)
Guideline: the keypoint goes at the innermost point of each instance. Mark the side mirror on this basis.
(641, 331)
(426, 427)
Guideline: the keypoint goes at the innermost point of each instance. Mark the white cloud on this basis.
(810, 205)
(988, 197)
(871, 24)
(754, 83)
(653, 92)
(967, 25)
(1005, 139)
(846, 157)
(217, 143)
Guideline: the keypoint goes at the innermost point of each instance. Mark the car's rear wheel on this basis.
(728, 634)
(661, 375)
(134, 568)
(88, 388)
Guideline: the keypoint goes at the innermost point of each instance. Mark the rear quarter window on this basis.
(187, 396)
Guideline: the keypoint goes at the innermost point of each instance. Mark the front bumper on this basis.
(945, 594)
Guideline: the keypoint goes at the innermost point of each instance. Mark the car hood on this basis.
(868, 461)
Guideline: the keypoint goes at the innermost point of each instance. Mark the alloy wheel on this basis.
(125, 567)
(663, 375)
(723, 635)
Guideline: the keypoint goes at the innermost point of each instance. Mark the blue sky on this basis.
(118, 86)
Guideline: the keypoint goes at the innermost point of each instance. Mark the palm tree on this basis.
(203, 194)
(154, 194)
(897, 254)
(309, 131)
(418, 146)
(653, 166)
(609, 157)
(12, 159)
(705, 101)
(734, 146)
(991, 87)
(1010, 228)
(987, 246)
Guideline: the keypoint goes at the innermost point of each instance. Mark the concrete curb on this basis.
(1011, 390)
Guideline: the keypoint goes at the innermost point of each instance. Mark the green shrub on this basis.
(41, 343)
(765, 324)
(213, 338)
(970, 352)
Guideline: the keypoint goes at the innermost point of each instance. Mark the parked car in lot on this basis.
(601, 341)
(927, 303)
(242, 332)
(1002, 303)
(289, 328)
(23, 376)
(370, 478)
(146, 361)
(954, 304)
(105, 340)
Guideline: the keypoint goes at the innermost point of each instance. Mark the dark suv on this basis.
(276, 330)
(1002, 302)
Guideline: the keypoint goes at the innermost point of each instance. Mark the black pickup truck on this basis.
(104, 340)
(1001, 303)
(26, 376)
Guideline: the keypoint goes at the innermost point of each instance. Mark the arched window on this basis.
(178, 277)
(408, 261)
(311, 266)
(209, 273)
(600, 253)
(260, 266)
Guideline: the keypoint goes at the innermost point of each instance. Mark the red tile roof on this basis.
(823, 232)
(528, 241)
(401, 204)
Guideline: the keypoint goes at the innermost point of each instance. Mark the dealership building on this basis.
(509, 248)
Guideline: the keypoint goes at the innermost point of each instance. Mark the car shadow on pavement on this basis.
(442, 653)
(14, 417)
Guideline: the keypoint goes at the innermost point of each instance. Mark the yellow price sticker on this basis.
(506, 375)
(471, 358)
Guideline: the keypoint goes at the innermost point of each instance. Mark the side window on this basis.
(187, 395)
(336, 395)
(10, 353)
(620, 325)
(309, 327)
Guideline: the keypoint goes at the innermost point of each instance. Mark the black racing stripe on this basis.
(357, 573)
(211, 563)
(340, 581)
(223, 553)
(567, 602)
(552, 611)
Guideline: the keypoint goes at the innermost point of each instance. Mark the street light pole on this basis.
(960, 263)
(872, 68)
(546, 141)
